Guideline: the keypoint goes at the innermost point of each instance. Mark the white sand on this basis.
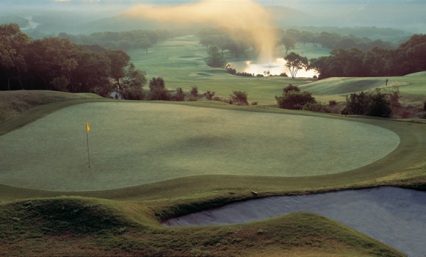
(394, 216)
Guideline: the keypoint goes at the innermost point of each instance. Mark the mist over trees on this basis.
(136, 39)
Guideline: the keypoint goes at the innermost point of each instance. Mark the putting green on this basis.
(139, 143)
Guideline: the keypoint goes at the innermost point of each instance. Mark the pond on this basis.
(273, 68)
(394, 216)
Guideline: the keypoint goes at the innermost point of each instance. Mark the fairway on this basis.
(139, 143)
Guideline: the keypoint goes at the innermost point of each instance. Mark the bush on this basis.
(194, 91)
(394, 97)
(357, 104)
(315, 107)
(295, 100)
(424, 106)
(332, 103)
(133, 93)
(209, 95)
(371, 104)
(239, 98)
(290, 87)
(179, 96)
(230, 70)
(380, 106)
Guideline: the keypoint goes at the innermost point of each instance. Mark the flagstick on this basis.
(88, 150)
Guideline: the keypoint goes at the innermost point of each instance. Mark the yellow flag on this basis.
(87, 127)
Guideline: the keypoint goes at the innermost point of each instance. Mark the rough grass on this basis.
(13, 103)
(69, 225)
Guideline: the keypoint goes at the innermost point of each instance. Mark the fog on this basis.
(87, 16)
(242, 19)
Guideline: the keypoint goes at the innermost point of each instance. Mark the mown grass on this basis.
(180, 141)
(128, 222)
(46, 223)
(181, 62)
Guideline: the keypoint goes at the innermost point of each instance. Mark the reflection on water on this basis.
(275, 68)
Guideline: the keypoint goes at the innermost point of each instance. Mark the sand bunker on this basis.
(394, 216)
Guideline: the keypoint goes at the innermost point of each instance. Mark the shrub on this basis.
(295, 100)
(394, 97)
(209, 95)
(194, 91)
(316, 107)
(357, 104)
(371, 104)
(244, 74)
(239, 98)
(424, 105)
(290, 87)
(380, 106)
(133, 93)
(230, 70)
(332, 103)
(179, 96)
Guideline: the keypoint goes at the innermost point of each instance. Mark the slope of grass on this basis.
(19, 108)
(66, 225)
(408, 85)
(181, 62)
(13, 103)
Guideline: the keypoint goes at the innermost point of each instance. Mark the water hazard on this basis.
(394, 216)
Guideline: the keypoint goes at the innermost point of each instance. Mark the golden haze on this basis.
(241, 20)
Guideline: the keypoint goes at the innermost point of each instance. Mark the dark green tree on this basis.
(12, 45)
(215, 58)
(157, 89)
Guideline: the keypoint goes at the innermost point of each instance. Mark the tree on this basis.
(296, 62)
(119, 60)
(289, 43)
(215, 58)
(157, 89)
(132, 83)
(12, 44)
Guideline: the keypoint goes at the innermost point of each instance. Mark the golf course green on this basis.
(104, 193)
(139, 143)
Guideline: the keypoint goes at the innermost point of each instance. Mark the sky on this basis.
(381, 13)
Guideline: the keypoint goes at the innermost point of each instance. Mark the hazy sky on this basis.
(382, 13)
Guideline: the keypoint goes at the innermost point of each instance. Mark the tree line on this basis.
(330, 40)
(408, 57)
(59, 64)
(136, 39)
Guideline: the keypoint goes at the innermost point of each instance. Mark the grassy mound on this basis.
(70, 226)
(13, 103)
